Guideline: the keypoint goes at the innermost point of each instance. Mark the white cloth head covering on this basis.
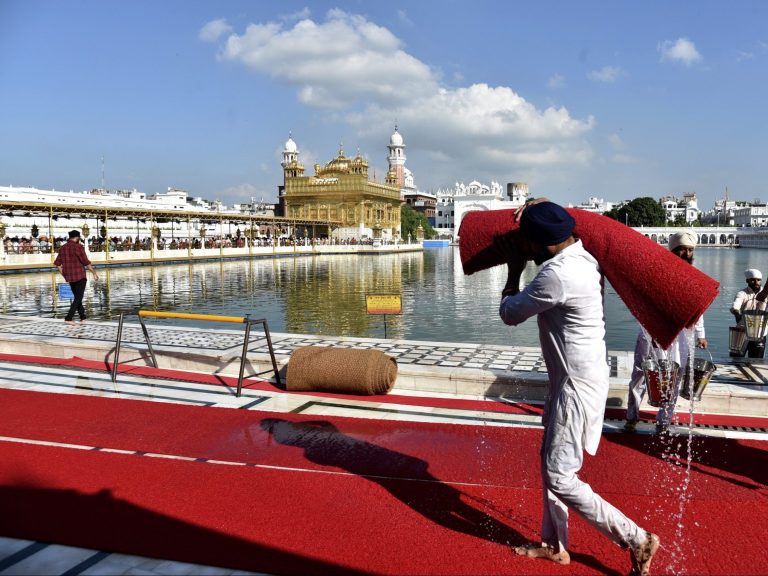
(686, 239)
(753, 273)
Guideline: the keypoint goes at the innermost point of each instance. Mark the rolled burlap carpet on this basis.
(344, 370)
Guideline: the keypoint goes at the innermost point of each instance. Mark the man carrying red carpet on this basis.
(566, 296)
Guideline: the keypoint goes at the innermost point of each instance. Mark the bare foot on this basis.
(546, 552)
(642, 555)
(70, 322)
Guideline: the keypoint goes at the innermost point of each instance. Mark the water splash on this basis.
(677, 454)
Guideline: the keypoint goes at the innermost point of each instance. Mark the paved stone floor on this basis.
(445, 354)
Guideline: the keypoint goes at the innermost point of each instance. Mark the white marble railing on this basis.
(717, 236)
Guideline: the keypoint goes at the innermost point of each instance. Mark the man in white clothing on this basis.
(746, 299)
(566, 296)
(683, 245)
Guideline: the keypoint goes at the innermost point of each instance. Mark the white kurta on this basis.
(567, 296)
(745, 300)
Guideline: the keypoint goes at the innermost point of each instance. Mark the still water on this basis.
(326, 295)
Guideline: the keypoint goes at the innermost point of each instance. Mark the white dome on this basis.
(290, 146)
(396, 139)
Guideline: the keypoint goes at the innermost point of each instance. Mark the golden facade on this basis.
(340, 192)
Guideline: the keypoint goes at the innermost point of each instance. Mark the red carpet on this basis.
(396, 508)
(663, 292)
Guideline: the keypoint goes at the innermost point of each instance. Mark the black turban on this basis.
(546, 223)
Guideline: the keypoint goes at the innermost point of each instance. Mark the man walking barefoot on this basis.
(566, 296)
(72, 263)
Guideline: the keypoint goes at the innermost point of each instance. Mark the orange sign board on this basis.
(384, 304)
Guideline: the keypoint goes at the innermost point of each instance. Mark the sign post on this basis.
(384, 304)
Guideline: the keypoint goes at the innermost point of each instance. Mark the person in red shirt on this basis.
(72, 263)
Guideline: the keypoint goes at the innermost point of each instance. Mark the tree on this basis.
(410, 220)
(640, 212)
(680, 220)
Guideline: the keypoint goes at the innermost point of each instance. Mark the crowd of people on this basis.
(42, 245)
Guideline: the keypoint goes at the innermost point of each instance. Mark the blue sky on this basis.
(609, 99)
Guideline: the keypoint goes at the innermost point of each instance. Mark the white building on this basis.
(752, 216)
(453, 204)
(687, 208)
(171, 200)
(595, 205)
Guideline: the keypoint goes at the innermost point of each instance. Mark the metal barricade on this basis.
(205, 317)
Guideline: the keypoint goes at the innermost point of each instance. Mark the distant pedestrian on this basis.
(72, 263)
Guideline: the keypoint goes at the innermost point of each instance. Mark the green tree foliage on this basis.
(410, 220)
(680, 220)
(640, 212)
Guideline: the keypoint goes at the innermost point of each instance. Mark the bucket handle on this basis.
(708, 352)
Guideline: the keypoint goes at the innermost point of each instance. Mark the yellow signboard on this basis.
(384, 304)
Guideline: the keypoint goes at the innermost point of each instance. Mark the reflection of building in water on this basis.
(452, 204)
(341, 191)
(336, 289)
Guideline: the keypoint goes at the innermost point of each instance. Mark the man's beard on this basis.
(686, 258)
(540, 257)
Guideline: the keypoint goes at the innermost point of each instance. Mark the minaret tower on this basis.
(396, 159)
(291, 166)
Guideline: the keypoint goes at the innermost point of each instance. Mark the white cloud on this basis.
(402, 15)
(620, 156)
(214, 30)
(359, 72)
(556, 81)
(343, 60)
(242, 193)
(298, 15)
(616, 142)
(607, 74)
(491, 132)
(681, 50)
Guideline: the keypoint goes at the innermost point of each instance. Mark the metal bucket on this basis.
(755, 324)
(737, 340)
(702, 372)
(660, 380)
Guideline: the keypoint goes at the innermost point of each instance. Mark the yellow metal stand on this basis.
(204, 317)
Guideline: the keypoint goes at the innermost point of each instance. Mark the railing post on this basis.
(149, 342)
(117, 348)
(245, 353)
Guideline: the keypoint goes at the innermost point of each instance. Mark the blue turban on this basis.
(546, 223)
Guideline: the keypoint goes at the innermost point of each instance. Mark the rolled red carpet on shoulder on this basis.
(662, 291)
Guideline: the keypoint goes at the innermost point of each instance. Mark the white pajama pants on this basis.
(562, 455)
